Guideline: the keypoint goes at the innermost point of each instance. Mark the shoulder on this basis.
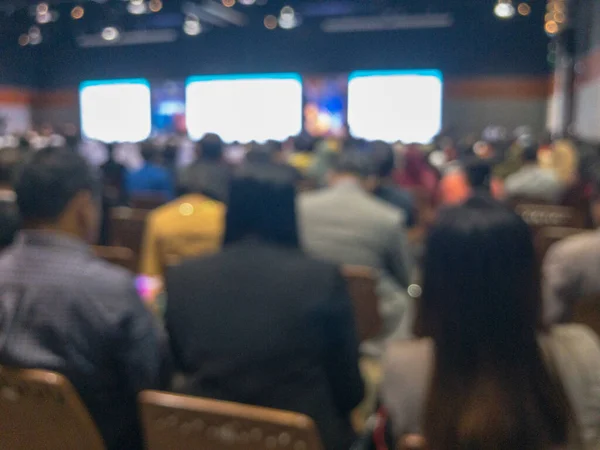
(575, 246)
(574, 342)
(408, 357)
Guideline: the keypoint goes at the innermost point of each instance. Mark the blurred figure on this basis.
(347, 225)
(9, 214)
(532, 182)
(459, 183)
(152, 178)
(385, 188)
(67, 311)
(114, 176)
(303, 156)
(260, 322)
(565, 161)
(189, 226)
(272, 153)
(571, 269)
(484, 379)
(416, 172)
(209, 174)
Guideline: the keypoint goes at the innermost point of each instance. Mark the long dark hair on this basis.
(491, 387)
(262, 204)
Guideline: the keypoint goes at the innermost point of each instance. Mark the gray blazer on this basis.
(571, 271)
(347, 225)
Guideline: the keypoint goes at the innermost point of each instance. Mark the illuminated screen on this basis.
(395, 106)
(115, 110)
(325, 99)
(244, 108)
(168, 107)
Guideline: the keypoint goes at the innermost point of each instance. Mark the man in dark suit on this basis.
(260, 322)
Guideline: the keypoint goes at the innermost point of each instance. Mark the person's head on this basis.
(490, 388)
(530, 155)
(262, 204)
(304, 143)
(479, 173)
(259, 153)
(9, 158)
(110, 149)
(384, 159)
(150, 153)
(55, 191)
(210, 148)
(353, 165)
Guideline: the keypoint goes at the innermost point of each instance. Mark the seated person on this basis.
(209, 174)
(485, 378)
(459, 183)
(346, 224)
(65, 310)
(532, 182)
(386, 189)
(152, 178)
(571, 269)
(191, 225)
(9, 214)
(263, 324)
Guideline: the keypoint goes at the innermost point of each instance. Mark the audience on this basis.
(484, 378)
(114, 175)
(209, 174)
(152, 178)
(571, 269)
(532, 182)
(415, 172)
(190, 225)
(9, 215)
(347, 225)
(67, 311)
(386, 190)
(260, 322)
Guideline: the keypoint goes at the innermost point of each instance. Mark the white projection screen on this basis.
(395, 105)
(115, 110)
(244, 108)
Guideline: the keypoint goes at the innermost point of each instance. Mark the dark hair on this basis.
(491, 388)
(259, 153)
(384, 160)
(479, 173)
(530, 153)
(355, 162)
(262, 203)
(9, 158)
(49, 180)
(210, 147)
(304, 143)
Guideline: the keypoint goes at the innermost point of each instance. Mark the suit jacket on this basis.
(535, 183)
(347, 225)
(571, 271)
(265, 325)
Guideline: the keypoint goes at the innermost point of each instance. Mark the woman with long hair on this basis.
(486, 377)
(262, 323)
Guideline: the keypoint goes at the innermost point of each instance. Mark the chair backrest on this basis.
(190, 423)
(362, 286)
(41, 410)
(120, 256)
(587, 312)
(127, 229)
(539, 216)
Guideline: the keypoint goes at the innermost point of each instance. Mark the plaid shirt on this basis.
(62, 309)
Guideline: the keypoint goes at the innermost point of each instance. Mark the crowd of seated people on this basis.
(255, 308)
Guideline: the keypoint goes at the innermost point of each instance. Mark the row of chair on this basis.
(42, 410)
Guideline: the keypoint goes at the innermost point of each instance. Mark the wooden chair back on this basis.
(587, 312)
(148, 201)
(362, 286)
(119, 256)
(42, 410)
(181, 422)
(127, 229)
(540, 216)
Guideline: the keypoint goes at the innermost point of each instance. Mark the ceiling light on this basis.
(551, 27)
(288, 18)
(77, 12)
(504, 9)
(228, 3)
(192, 27)
(247, 2)
(136, 2)
(110, 34)
(23, 40)
(42, 8)
(155, 5)
(524, 9)
(43, 18)
(136, 8)
(270, 22)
